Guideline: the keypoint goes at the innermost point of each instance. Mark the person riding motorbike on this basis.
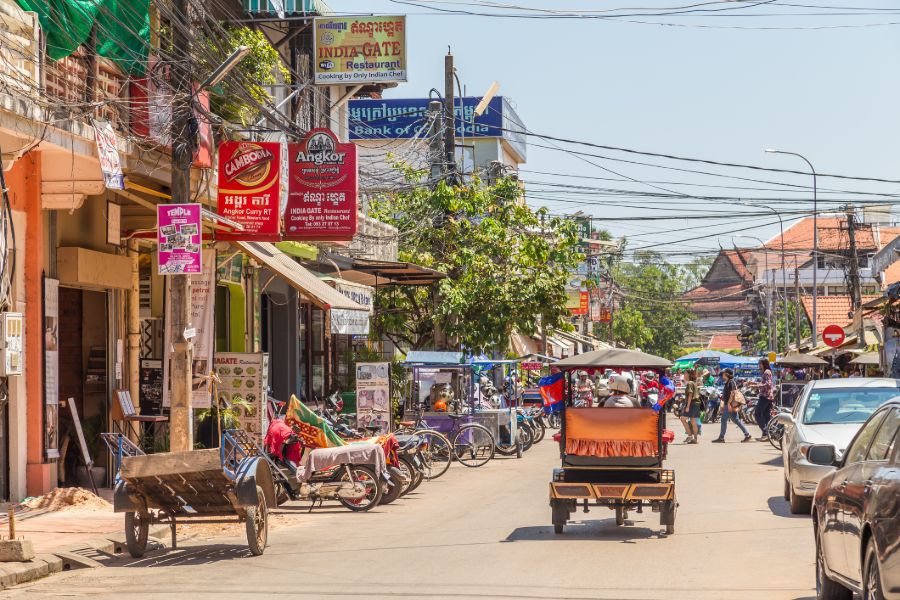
(619, 388)
(584, 390)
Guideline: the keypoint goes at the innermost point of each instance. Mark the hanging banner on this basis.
(322, 189)
(373, 395)
(51, 368)
(179, 239)
(203, 288)
(108, 153)
(363, 49)
(244, 379)
(250, 189)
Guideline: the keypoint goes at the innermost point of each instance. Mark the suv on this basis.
(829, 411)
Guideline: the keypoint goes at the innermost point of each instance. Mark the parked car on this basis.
(856, 512)
(829, 411)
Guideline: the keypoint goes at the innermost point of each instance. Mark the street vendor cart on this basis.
(612, 457)
(218, 485)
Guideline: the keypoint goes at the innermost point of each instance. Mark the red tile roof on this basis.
(833, 235)
(724, 342)
(831, 310)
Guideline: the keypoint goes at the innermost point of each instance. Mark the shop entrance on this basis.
(83, 377)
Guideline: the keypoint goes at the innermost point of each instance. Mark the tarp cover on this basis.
(614, 357)
(123, 28)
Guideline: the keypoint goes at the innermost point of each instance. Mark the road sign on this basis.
(833, 335)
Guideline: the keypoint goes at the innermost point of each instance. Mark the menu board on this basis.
(244, 377)
(373, 395)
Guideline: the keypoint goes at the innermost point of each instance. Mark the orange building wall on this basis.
(24, 184)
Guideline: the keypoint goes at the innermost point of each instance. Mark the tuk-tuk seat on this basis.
(627, 437)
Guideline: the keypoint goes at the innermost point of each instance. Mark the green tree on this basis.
(761, 336)
(507, 264)
(651, 287)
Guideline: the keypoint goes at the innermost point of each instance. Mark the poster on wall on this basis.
(250, 189)
(244, 379)
(373, 395)
(151, 386)
(363, 49)
(322, 188)
(179, 239)
(202, 321)
(51, 368)
(108, 154)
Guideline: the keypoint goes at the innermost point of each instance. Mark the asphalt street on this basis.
(486, 533)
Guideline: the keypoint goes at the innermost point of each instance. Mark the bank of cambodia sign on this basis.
(359, 49)
(322, 189)
(250, 189)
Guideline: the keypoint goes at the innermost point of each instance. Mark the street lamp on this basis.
(815, 252)
(769, 297)
(216, 77)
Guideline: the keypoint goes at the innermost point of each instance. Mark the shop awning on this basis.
(375, 273)
(347, 317)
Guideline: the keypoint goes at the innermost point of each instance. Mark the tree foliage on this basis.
(507, 264)
(651, 316)
(761, 336)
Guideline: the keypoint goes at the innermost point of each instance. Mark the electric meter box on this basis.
(12, 343)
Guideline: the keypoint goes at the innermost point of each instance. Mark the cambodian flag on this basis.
(666, 392)
(552, 388)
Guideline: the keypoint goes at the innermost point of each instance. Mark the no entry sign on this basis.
(833, 335)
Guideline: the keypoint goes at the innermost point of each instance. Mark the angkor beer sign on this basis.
(250, 189)
(322, 189)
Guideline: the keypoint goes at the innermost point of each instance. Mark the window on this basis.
(826, 406)
(884, 439)
(857, 450)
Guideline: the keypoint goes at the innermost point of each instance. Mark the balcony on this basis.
(19, 43)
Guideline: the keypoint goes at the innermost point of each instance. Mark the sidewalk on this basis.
(65, 537)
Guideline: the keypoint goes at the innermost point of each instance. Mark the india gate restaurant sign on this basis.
(322, 189)
(250, 189)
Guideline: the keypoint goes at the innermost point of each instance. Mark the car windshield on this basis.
(845, 405)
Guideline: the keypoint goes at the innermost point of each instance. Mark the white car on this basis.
(828, 411)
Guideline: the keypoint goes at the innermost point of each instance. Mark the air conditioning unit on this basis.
(12, 345)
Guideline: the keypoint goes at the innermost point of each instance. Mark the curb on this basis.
(89, 554)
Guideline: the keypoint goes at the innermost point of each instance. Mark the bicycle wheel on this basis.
(526, 436)
(473, 445)
(539, 431)
(775, 432)
(437, 453)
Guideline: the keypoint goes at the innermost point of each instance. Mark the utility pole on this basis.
(435, 143)
(797, 301)
(855, 291)
(183, 140)
(449, 120)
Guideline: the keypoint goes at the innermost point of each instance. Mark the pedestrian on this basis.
(763, 411)
(691, 409)
(731, 406)
(834, 373)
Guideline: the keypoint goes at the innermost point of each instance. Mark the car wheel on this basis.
(787, 489)
(872, 575)
(800, 505)
(827, 589)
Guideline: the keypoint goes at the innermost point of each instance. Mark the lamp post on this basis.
(815, 252)
(769, 296)
(787, 320)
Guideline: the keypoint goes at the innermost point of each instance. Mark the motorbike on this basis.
(712, 401)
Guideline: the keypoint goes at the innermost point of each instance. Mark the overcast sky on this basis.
(708, 92)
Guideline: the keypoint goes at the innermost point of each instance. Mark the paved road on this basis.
(486, 533)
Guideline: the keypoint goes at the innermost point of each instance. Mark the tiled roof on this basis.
(738, 260)
(833, 235)
(831, 310)
(724, 342)
(703, 293)
(892, 274)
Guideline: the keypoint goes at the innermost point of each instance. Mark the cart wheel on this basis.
(560, 515)
(137, 528)
(258, 524)
(620, 516)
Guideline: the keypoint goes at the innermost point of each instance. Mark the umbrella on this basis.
(614, 357)
(795, 359)
(867, 358)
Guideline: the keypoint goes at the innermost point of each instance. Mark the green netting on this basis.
(123, 28)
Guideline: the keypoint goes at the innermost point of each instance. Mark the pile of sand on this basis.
(68, 499)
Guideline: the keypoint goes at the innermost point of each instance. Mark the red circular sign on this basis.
(833, 335)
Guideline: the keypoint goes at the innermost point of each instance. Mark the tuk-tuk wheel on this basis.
(620, 516)
(667, 516)
(518, 448)
(257, 524)
(560, 515)
(137, 528)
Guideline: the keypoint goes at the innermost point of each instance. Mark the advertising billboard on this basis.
(250, 189)
(179, 239)
(322, 188)
(363, 49)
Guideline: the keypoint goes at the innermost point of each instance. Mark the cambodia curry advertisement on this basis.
(250, 189)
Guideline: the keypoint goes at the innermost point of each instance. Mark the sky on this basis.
(702, 89)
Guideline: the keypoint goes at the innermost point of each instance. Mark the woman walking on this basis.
(731, 406)
(763, 410)
(692, 405)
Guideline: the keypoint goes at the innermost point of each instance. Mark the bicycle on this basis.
(473, 445)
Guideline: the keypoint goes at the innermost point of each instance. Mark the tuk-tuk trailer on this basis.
(612, 457)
